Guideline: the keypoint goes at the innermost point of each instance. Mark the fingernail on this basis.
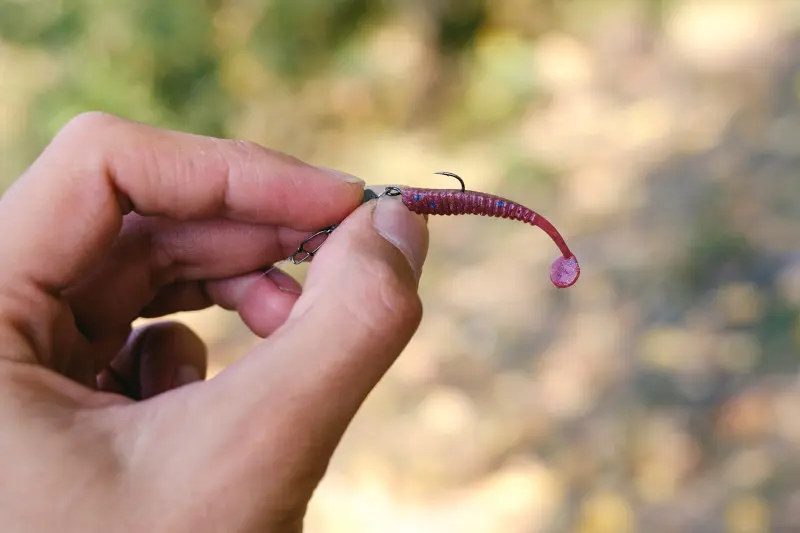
(284, 281)
(344, 176)
(404, 229)
(186, 374)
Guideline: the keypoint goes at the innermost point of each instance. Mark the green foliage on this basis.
(298, 38)
(459, 21)
(47, 24)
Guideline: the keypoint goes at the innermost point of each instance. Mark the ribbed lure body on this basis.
(456, 202)
(564, 271)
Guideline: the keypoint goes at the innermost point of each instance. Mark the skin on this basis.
(117, 220)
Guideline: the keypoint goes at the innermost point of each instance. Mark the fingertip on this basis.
(265, 307)
(284, 281)
(343, 176)
(263, 300)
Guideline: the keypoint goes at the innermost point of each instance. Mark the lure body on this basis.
(565, 270)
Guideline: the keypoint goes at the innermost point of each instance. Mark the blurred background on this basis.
(662, 137)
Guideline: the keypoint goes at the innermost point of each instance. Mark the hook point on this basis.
(456, 176)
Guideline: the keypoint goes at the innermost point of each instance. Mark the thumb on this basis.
(360, 305)
(358, 311)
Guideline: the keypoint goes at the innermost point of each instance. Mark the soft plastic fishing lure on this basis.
(564, 271)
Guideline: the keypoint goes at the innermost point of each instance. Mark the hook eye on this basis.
(391, 191)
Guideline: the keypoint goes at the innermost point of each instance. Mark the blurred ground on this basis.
(663, 138)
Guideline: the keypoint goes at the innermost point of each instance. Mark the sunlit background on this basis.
(660, 393)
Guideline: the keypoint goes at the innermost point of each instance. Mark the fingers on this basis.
(66, 211)
(69, 205)
(262, 300)
(156, 257)
(156, 358)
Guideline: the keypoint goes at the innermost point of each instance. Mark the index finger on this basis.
(69, 205)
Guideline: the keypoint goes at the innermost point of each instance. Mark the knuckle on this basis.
(246, 148)
(90, 134)
(243, 146)
(234, 154)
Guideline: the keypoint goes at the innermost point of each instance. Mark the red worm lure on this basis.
(564, 271)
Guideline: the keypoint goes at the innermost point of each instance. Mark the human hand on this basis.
(107, 429)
